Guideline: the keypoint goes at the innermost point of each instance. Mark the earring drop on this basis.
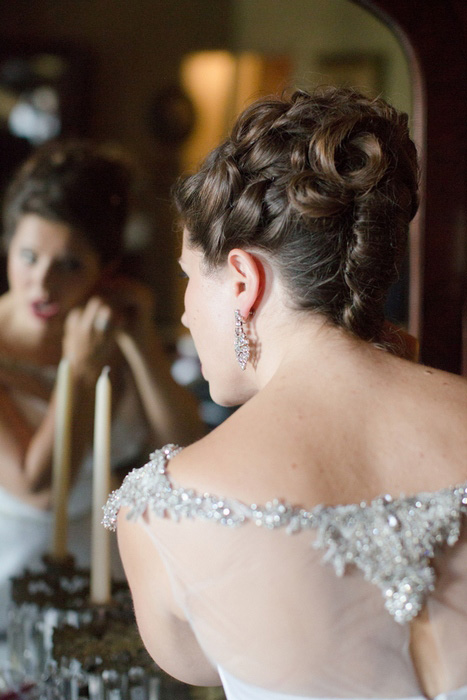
(241, 345)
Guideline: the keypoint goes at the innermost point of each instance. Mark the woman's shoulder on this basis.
(406, 432)
(256, 455)
(313, 451)
(228, 463)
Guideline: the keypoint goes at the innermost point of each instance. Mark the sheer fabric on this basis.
(274, 617)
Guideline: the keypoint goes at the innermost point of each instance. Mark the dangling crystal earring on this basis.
(242, 345)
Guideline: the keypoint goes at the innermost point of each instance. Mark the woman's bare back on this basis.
(390, 427)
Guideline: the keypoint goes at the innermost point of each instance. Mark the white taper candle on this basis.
(61, 459)
(100, 542)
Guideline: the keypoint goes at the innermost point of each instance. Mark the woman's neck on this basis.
(302, 339)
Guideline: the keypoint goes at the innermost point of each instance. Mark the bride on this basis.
(65, 214)
(313, 544)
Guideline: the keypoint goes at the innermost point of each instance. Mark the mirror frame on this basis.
(433, 35)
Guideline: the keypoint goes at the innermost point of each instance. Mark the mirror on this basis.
(299, 43)
(123, 72)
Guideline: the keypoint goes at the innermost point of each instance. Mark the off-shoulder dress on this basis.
(287, 601)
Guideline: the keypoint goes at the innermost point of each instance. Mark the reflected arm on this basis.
(27, 451)
(171, 411)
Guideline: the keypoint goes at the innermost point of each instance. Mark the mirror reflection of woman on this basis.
(64, 220)
(314, 544)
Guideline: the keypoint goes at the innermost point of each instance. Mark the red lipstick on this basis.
(45, 309)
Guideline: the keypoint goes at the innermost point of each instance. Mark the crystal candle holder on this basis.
(102, 660)
(45, 600)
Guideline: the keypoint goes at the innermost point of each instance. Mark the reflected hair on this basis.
(325, 184)
(77, 183)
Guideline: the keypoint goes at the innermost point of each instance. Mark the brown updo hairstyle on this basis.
(324, 184)
(77, 183)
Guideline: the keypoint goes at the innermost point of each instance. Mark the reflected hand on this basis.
(132, 304)
(89, 338)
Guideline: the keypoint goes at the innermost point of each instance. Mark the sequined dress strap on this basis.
(391, 540)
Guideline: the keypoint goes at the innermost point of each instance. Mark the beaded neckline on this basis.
(391, 540)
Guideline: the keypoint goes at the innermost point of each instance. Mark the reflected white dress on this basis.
(289, 602)
(26, 531)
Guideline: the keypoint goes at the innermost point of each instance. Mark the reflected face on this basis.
(209, 316)
(51, 270)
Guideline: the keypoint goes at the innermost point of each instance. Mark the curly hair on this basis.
(325, 184)
(77, 183)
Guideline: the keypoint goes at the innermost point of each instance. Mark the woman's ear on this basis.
(247, 276)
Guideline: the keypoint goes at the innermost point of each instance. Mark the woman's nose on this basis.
(184, 320)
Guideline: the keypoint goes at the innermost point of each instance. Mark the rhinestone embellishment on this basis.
(241, 343)
(392, 541)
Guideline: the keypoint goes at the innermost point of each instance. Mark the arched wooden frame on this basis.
(433, 36)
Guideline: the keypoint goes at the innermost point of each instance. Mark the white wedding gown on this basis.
(289, 602)
(26, 531)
